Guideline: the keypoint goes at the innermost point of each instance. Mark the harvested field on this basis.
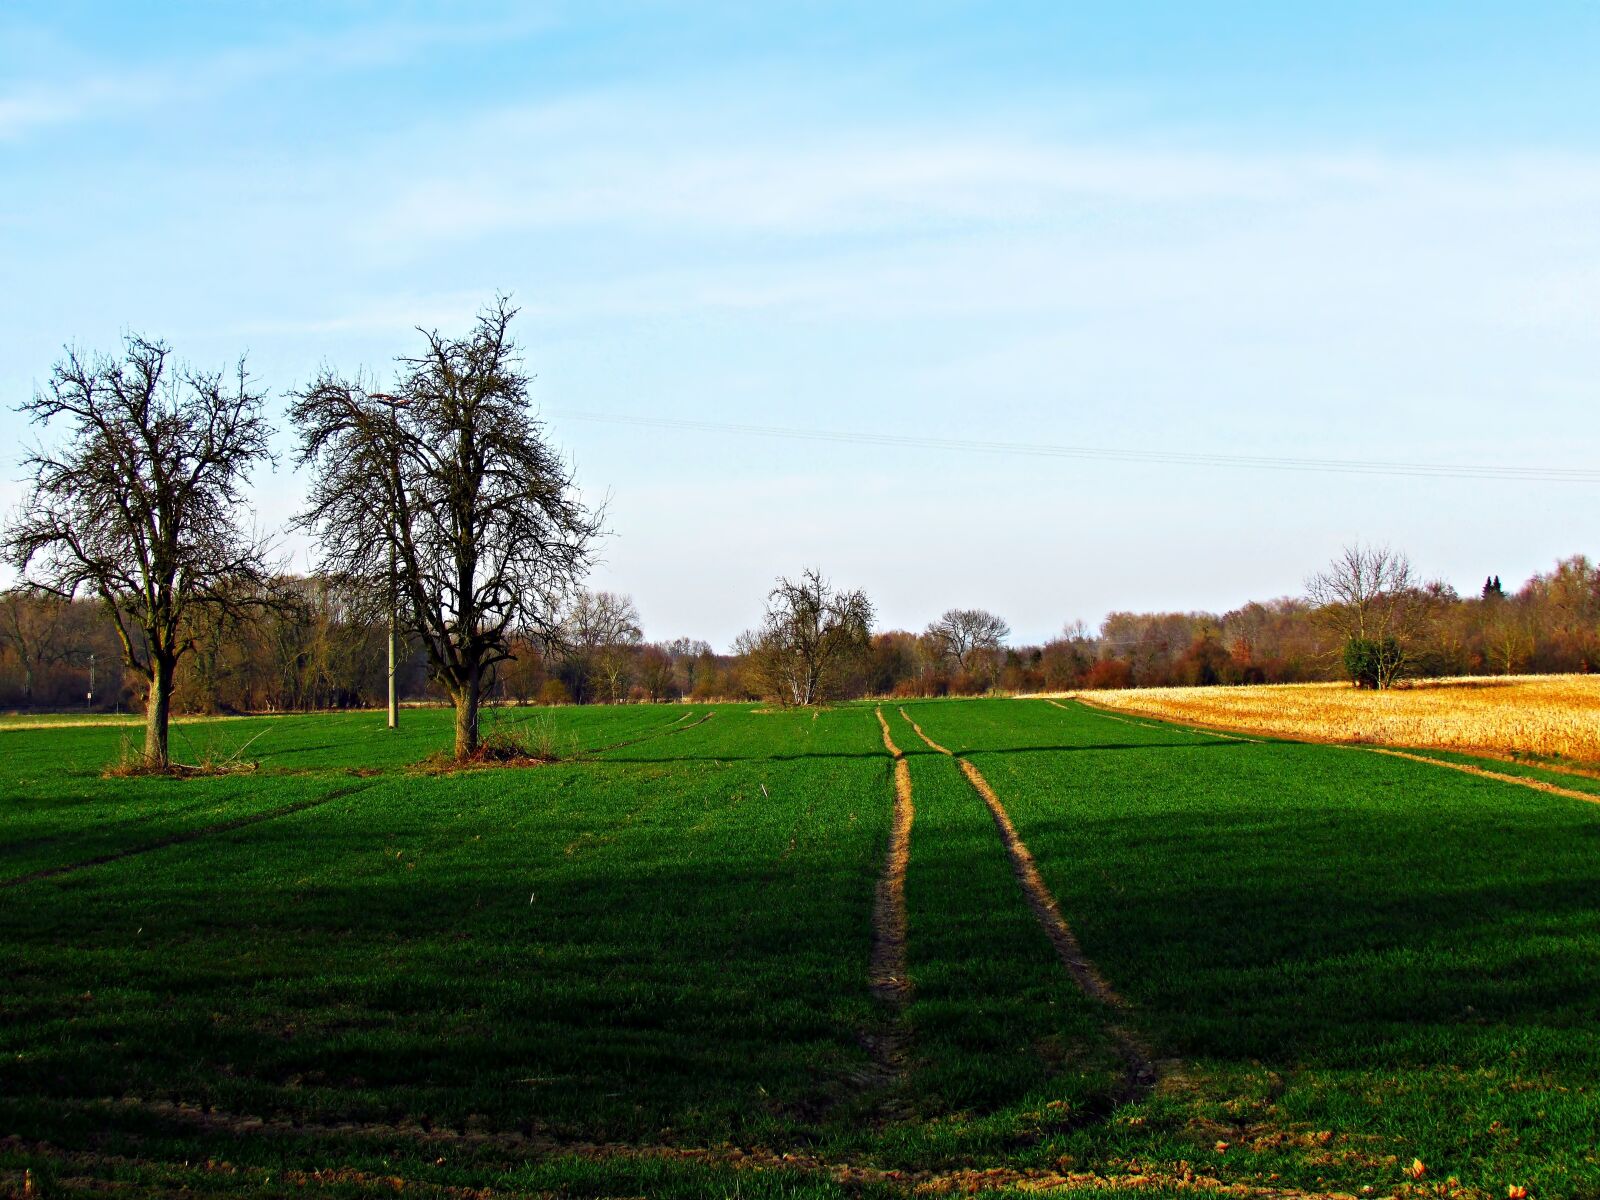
(1547, 716)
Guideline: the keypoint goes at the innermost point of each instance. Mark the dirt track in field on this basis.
(667, 730)
(1141, 1072)
(888, 974)
(935, 745)
(1538, 785)
(890, 980)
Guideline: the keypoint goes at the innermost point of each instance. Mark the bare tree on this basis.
(598, 636)
(687, 655)
(448, 493)
(1508, 633)
(968, 637)
(139, 507)
(1369, 596)
(656, 673)
(33, 623)
(810, 634)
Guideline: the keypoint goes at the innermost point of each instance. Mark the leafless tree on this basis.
(967, 637)
(810, 634)
(656, 673)
(450, 489)
(140, 505)
(1368, 594)
(1508, 633)
(34, 625)
(598, 636)
(688, 654)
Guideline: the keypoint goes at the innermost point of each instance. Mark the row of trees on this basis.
(319, 649)
(1365, 617)
(313, 650)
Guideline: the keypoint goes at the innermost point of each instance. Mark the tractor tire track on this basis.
(888, 974)
(188, 835)
(667, 730)
(1538, 785)
(922, 735)
(1140, 1068)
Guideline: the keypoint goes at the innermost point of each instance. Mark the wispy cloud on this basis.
(596, 164)
(85, 92)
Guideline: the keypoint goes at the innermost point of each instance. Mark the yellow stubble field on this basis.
(1554, 716)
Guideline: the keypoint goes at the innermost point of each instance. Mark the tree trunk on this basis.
(158, 708)
(467, 714)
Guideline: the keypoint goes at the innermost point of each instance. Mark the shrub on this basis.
(1373, 662)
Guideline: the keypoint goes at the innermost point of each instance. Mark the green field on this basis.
(643, 970)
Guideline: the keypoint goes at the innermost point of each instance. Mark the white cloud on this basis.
(88, 93)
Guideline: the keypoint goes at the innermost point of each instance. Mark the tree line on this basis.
(442, 506)
(318, 650)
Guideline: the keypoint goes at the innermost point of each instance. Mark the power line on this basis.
(1343, 466)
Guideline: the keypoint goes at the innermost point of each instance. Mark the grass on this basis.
(641, 969)
(999, 1028)
(1329, 942)
(1555, 718)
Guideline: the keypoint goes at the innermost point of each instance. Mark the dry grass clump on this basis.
(1549, 716)
(133, 763)
(514, 744)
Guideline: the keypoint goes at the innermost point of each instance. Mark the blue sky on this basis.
(1347, 231)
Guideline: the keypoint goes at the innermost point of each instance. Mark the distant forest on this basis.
(319, 653)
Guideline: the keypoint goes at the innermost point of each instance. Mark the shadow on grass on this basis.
(919, 748)
(635, 975)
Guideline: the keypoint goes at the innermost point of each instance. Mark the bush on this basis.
(553, 691)
(1373, 662)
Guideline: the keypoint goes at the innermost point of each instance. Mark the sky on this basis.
(1361, 231)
